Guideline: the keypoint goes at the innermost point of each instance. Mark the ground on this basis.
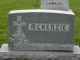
(7, 5)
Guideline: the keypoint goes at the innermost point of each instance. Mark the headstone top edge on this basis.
(41, 10)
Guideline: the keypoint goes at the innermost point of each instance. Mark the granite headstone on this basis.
(41, 30)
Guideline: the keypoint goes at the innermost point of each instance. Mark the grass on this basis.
(75, 6)
(7, 5)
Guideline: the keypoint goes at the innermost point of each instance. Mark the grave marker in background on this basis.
(55, 4)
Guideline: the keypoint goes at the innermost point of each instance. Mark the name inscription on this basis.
(55, 2)
(48, 27)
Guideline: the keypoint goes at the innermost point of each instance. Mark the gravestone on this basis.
(55, 4)
(41, 34)
(41, 30)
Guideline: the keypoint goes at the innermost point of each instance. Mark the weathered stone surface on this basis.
(40, 29)
(67, 58)
(39, 55)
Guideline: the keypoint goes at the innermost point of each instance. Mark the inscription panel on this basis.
(48, 27)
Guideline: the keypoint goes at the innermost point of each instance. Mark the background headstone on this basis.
(55, 4)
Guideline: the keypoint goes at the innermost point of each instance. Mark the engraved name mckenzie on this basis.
(48, 27)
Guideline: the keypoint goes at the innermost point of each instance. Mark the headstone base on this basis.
(6, 54)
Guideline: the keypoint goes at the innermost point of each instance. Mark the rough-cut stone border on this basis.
(6, 54)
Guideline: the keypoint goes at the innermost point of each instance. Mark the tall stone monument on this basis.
(41, 34)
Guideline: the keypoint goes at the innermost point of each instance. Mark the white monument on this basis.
(55, 4)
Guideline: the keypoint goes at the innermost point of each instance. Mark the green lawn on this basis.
(75, 6)
(7, 5)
